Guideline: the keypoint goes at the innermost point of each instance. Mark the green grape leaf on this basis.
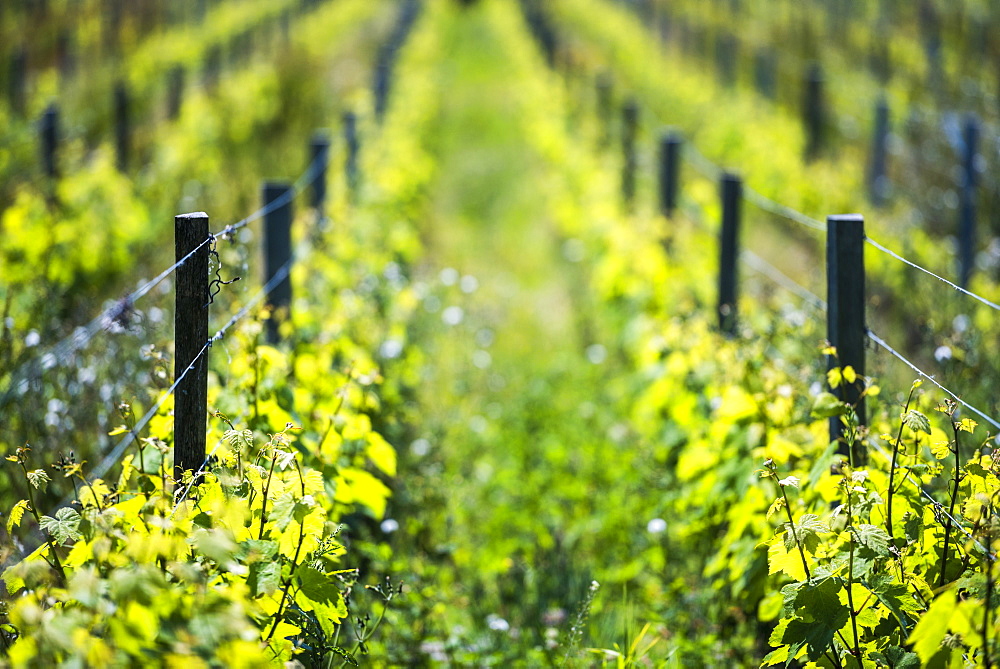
(807, 530)
(264, 577)
(941, 449)
(15, 515)
(64, 527)
(282, 511)
(827, 405)
(239, 439)
(916, 421)
(38, 479)
(254, 550)
(819, 614)
(930, 630)
(215, 545)
(873, 538)
(896, 597)
(779, 656)
(967, 425)
(319, 592)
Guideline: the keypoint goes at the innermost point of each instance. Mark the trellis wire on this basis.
(878, 340)
(883, 249)
(80, 337)
(111, 458)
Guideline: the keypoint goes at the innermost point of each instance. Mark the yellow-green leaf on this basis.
(15, 515)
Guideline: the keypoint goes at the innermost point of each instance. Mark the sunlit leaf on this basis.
(15, 515)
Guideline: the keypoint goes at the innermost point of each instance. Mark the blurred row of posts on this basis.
(877, 178)
(846, 296)
(123, 110)
(193, 281)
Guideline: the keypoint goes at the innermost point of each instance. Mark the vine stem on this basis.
(56, 564)
(892, 466)
(267, 489)
(850, 580)
(987, 662)
(951, 506)
(795, 536)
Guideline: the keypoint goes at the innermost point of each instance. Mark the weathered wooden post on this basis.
(846, 328)
(351, 143)
(190, 339)
(814, 114)
(669, 175)
(123, 126)
(319, 159)
(630, 129)
(277, 253)
(967, 202)
(48, 130)
(878, 181)
(729, 244)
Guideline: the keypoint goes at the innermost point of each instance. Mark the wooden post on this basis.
(967, 202)
(123, 128)
(277, 252)
(65, 60)
(878, 184)
(319, 159)
(213, 65)
(605, 102)
(190, 338)
(48, 131)
(18, 77)
(814, 114)
(351, 161)
(380, 87)
(764, 66)
(726, 48)
(630, 128)
(670, 166)
(846, 329)
(729, 241)
(175, 91)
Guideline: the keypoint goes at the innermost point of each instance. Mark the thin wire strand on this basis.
(80, 337)
(878, 340)
(767, 204)
(278, 277)
(883, 249)
(938, 506)
(763, 267)
(112, 458)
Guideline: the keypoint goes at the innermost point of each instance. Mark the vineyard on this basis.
(572, 333)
